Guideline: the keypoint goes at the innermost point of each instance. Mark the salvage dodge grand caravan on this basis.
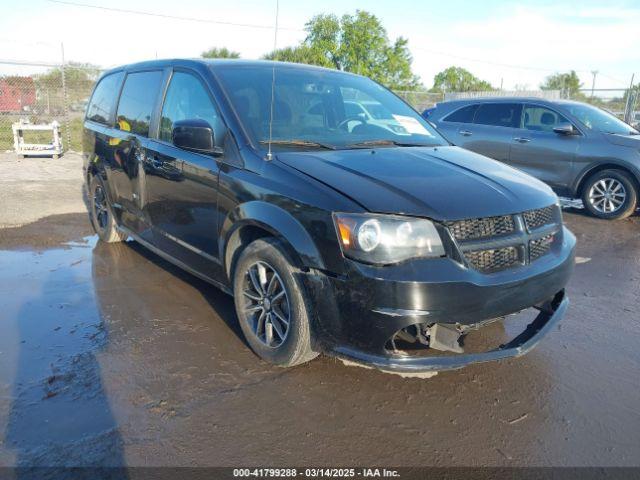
(373, 241)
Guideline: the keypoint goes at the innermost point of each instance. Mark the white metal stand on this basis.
(25, 149)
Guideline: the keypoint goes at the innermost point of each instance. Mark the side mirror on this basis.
(195, 135)
(565, 129)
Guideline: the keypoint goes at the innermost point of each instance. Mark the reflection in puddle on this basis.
(53, 404)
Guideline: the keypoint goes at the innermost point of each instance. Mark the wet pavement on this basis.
(111, 356)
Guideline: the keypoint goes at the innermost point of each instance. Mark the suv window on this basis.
(103, 99)
(498, 114)
(137, 101)
(541, 119)
(187, 98)
(462, 115)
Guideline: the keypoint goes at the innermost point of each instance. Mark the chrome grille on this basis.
(493, 260)
(540, 247)
(476, 228)
(541, 217)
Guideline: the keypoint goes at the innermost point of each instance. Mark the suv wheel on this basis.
(610, 194)
(272, 306)
(100, 212)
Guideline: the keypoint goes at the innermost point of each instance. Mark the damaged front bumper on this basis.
(359, 313)
(550, 314)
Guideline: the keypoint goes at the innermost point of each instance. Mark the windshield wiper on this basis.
(295, 142)
(376, 143)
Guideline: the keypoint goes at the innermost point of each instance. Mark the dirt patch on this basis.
(36, 187)
(47, 232)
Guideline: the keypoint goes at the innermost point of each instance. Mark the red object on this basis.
(16, 93)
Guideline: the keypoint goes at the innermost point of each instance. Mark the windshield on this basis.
(378, 111)
(598, 119)
(321, 109)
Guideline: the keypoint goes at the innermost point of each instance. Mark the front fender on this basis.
(595, 166)
(277, 221)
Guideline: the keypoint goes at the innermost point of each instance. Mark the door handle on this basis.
(465, 133)
(522, 139)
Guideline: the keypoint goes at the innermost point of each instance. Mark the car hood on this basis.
(632, 141)
(443, 183)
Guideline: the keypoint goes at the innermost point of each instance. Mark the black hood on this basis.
(443, 183)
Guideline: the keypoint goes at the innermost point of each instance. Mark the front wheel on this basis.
(272, 305)
(610, 194)
(101, 214)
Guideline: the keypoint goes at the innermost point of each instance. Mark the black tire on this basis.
(100, 212)
(296, 346)
(592, 199)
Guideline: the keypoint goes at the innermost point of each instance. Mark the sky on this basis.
(508, 43)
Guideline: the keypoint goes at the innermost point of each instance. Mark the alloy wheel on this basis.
(266, 304)
(607, 195)
(100, 207)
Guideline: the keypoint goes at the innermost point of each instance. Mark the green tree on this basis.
(299, 54)
(215, 52)
(569, 83)
(354, 43)
(457, 79)
(79, 80)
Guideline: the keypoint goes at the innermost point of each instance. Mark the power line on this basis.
(489, 62)
(28, 64)
(27, 43)
(264, 26)
(172, 17)
(612, 78)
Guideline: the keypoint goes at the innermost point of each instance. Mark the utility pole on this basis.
(65, 99)
(630, 105)
(593, 84)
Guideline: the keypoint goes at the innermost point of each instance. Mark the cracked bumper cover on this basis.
(370, 304)
(520, 345)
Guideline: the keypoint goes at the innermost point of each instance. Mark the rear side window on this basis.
(137, 100)
(187, 98)
(103, 99)
(499, 114)
(462, 115)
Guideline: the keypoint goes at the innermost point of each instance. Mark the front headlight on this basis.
(386, 239)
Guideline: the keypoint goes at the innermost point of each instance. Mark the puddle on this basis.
(110, 355)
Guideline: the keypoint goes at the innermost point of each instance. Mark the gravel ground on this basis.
(36, 187)
(111, 356)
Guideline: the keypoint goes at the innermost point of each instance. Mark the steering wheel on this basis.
(351, 118)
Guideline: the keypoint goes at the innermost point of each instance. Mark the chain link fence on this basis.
(61, 92)
(51, 92)
(622, 102)
(420, 100)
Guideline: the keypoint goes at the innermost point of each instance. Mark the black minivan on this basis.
(371, 240)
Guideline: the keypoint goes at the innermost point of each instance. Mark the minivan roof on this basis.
(216, 63)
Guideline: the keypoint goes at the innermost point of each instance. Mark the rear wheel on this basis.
(610, 194)
(272, 305)
(101, 214)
